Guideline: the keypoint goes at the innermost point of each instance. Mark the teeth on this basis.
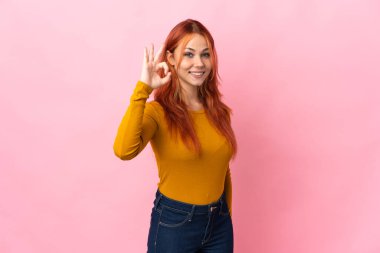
(197, 73)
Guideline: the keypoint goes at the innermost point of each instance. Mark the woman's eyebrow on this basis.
(194, 49)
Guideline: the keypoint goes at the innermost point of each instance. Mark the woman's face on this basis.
(196, 64)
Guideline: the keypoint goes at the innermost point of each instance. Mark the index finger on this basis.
(158, 55)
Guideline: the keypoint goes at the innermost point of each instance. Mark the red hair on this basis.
(170, 97)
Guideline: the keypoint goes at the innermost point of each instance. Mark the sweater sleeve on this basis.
(137, 126)
(228, 190)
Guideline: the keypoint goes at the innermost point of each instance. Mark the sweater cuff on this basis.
(142, 91)
(145, 86)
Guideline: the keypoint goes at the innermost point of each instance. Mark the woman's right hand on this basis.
(150, 69)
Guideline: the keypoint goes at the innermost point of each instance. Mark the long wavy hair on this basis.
(171, 99)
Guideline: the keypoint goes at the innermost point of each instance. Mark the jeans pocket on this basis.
(224, 211)
(171, 217)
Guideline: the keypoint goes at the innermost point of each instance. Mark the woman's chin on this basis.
(198, 82)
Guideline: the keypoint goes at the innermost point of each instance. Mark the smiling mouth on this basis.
(197, 74)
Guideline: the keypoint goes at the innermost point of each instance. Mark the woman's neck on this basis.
(191, 99)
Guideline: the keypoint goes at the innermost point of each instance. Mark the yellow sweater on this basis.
(183, 175)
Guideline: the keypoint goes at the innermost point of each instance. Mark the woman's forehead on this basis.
(194, 42)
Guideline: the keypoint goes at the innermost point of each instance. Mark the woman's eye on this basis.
(191, 55)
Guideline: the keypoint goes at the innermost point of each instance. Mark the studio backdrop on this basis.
(302, 78)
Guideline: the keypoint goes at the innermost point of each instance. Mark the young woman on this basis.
(190, 131)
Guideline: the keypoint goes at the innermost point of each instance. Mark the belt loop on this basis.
(221, 203)
(191, 213)
(156, 201)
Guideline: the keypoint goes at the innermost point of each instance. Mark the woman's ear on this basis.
(170, 58)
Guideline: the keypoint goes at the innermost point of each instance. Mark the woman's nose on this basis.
(198, 61)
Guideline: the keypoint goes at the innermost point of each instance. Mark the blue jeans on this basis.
(178, 227)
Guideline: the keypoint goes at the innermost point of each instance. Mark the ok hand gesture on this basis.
(150, 68)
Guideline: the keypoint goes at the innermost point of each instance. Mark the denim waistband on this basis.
(190, 208)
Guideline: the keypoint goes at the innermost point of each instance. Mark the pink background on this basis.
(302, 77)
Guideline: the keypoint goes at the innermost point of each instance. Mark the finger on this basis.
(151, 53)
(166, 78)
(158, 55)
(164, 66)
(145, 55)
